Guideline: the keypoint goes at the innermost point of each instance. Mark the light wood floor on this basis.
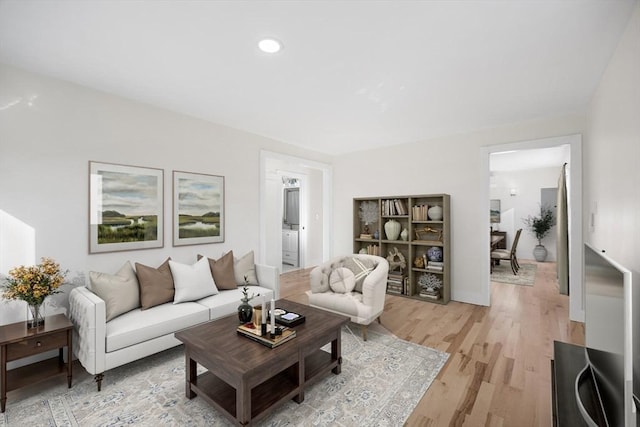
(498, 373)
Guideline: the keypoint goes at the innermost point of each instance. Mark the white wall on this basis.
(45, 148)
(447, 165)
(612, 155)
(526, 202)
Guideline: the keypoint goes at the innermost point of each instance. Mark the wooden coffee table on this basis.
(246, 380)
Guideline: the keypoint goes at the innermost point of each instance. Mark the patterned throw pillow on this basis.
(342, 280)
(360, 268)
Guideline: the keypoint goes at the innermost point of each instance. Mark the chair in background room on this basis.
(505, 254)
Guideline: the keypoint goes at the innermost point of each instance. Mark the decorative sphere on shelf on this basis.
(435, 213)
(434, 253)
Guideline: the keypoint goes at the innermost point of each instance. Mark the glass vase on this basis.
(36, 314)
(245, 312)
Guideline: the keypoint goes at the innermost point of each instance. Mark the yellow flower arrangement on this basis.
(35, 282)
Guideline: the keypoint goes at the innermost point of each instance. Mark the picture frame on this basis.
(198, 208)
(494, 211)
(126, 207)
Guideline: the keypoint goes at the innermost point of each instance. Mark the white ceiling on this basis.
(352, 75)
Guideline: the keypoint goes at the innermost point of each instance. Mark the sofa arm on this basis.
(268, 277)
(374, 286)
(87, 312)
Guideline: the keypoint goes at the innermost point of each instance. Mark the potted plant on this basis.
(539, 226)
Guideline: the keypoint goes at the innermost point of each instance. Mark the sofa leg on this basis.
(364, 332)
(98, 379)
(379, 321)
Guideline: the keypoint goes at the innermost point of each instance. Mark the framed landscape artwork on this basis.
(126, 207)
(494, 208)
(198, 208)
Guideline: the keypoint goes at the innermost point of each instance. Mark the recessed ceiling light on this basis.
(270, 45)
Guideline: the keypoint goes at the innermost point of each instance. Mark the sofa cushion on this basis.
(245, 268)
(222, 271)
(360, 268)
(119, 291)
(138, 326)
(349, 304)
(342, 280)
(227, 301)
(192, 282)
(156, 284)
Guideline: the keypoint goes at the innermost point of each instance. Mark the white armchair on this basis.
(363, 305)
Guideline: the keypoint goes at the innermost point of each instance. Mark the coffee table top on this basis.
(219, 340)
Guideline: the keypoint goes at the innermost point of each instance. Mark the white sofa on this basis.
(364, 304)
(100, 345)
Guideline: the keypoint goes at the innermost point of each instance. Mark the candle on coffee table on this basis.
(273, 316)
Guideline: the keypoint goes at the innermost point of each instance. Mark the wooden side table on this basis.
(17, 341)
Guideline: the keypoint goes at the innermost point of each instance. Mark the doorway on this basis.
(314, 201)
(574, 187)
(291, 253)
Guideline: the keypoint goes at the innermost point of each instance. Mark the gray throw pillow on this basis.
(120, 291)
(245, 267)
(360, 268)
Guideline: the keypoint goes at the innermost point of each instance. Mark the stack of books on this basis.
(397, 283)
(393, 207)
(435, 265)
(373, 250)
(252, 332)
(430, 294)
(419, 212)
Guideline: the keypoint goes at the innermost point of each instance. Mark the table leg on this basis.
(3, 373)
(243, 403)
(69, 357)
(191, 369)
(299, 398)
(336, 351)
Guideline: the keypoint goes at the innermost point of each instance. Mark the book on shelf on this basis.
(434, 297)
(252, 332)
(373, 250)
(419, 212)
(396, 276)
(366, 236)
(393, 207)
(435, 265)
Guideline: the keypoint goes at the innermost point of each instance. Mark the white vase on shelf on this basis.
(404, 235)
(435, 213)
(392, 229)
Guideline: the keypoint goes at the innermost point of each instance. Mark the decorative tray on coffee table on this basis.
(288, 318)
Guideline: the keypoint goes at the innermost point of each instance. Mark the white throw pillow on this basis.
(342, 280)
(120, 292)
(192, 282)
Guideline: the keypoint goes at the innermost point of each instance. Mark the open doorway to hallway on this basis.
(513, 179)
(279, 232)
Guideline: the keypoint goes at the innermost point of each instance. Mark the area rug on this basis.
(381, 382)
(525, 277)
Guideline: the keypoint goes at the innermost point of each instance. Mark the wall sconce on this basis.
(513, 192)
